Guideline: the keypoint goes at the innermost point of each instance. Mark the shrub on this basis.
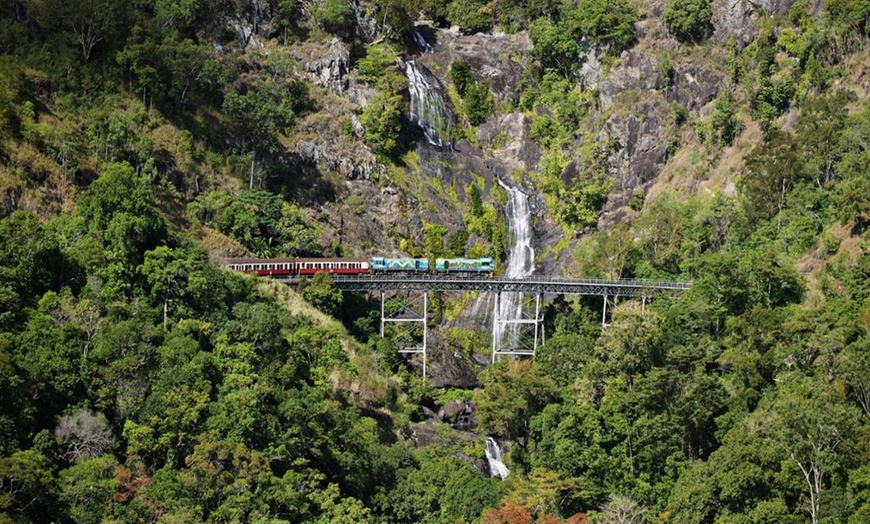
(460, 75)
(336, 17)
(725, 124)
(688, 20)
(478, 103)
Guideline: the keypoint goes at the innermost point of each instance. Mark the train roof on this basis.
(290, 260)
(331, 260)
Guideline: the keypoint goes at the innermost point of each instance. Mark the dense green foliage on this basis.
(477, 100)
(688, 20)
(143, 383)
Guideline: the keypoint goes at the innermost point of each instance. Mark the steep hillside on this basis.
(142, 143)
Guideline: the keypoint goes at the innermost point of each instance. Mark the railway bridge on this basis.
(413, 313)
(409, 320)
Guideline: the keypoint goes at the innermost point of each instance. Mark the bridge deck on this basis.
(533, 284)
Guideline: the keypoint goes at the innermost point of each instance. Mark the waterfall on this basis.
(422, 44)
(493, 456)
(428, 108)
(520, 263)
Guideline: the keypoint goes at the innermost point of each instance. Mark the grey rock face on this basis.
(591, 66)
(325, 157)
(497, 58)
(636, 71)
(694, 86)
(774, 7)
(735, 19)
(325, 64)
(642, 138)
(508, 139)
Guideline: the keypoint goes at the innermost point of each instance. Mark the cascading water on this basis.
(422, 44)
(520, 263)
(428, 108)
(493, 456)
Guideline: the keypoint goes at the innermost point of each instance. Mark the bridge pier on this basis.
(406, 321)
(516, 347)
(608, 301)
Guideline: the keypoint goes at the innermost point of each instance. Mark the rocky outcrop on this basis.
(328, 159)
(735, 19)
(694, 86)
(325, 63)
(498, 58)
(636, 71)
(508, 139)
(642, 147)
(774, 7)
(591, 66)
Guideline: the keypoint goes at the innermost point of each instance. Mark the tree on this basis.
(28, 489)
(477, 103)
(258, 113)
(513, 393)
(118, 210)
(820, 131)
(809, 422)
(322, 294)
(336, 17)
(87, 488)
(460, 75)
(621, 509)
(84, 435)
(174, 274)
(510, 513)
(688, 20)
(610, 22)
(382, 122)
(853, 194)
(725, 123)
(771, 172)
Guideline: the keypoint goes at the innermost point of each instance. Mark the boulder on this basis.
(451, 410)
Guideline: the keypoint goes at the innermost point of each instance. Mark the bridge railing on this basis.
(534, 279)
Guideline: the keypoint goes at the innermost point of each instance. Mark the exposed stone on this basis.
(359, 92)
(423, 434)
(590, 65)
(735, 19)
(642, 147)
(497, 58)
(508, 138)
(773, 7)
(325, 63)
(450, 410)
(694, 86)
(636, 71)
(325, 157)
(428, 414)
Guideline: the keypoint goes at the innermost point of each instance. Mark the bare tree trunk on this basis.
(251, 181)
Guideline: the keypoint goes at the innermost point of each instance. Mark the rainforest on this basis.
(724, 146)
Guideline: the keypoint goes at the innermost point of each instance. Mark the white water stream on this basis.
(493, 456)
(428, 108)
(520, 263)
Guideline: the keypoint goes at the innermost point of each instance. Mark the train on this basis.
(288, 267)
